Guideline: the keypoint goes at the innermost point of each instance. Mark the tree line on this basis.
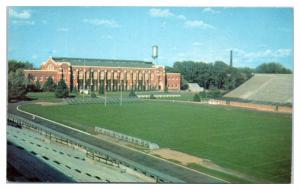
(219, 75)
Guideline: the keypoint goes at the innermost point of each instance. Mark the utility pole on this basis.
(83, 89)
(230, 58)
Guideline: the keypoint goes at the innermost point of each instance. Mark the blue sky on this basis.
(255, 35)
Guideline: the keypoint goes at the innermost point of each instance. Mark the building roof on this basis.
(103, 62)
(194, 87)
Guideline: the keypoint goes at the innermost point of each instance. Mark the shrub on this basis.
(152, 96)
(93, 95)
(214, 93)
(196, 98)
(75, 91)
(61, 90)
(132, 94)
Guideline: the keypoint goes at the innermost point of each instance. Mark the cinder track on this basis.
(182, 173)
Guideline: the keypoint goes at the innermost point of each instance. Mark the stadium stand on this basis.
(276, 88)
(70, 160)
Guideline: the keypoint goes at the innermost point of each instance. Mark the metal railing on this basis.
(126, 138)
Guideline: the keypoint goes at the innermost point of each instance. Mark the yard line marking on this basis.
(122, 145)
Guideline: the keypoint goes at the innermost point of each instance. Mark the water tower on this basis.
(154, 53)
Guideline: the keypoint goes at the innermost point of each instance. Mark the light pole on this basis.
(105, 96)
(121, 97)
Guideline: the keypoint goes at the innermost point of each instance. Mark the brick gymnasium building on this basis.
(111, 75)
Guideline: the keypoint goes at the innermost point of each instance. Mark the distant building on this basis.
(194, 87)
(111, 75)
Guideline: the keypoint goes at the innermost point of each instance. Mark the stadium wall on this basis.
(261, 107)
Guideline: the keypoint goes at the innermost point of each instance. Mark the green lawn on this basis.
(252, 142)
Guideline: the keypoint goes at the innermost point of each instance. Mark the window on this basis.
(140, 76)
(50, 67)
(102, 75)
(128, 76)
(80, 75)
(95, 75)
(134, 76)
(152, 76)
(115, 75)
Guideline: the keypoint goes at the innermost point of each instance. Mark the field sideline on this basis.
(252, 142)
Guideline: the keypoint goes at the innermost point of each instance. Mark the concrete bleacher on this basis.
(266, 88)
(70, 160)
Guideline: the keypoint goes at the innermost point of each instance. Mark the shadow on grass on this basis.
(19, 99)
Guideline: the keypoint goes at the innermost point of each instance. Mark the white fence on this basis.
(127, 138)
(160, 96)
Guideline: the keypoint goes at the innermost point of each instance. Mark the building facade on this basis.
(101, 75)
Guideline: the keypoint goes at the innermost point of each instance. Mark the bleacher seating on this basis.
(266, 87)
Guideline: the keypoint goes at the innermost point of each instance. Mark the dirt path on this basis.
(49, 103)
(186, 159)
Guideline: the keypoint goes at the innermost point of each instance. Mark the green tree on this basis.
(16, 85)
(14, 65)
(183, 84)
(272, 68)
(61, 90)
(38, 85)
(49, 85)
(211, 75)
(214, 93)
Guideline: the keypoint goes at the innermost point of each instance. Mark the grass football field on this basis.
(254, 143)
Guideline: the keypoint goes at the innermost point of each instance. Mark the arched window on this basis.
(50, 67)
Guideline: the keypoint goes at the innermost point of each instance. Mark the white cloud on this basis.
(102, 22)
(268, 53)
(242, 56)
(23, 22)
(160, 12)
(210, 10)
(23, 14)
(63, 29)
(198, 24)
(34, 56)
